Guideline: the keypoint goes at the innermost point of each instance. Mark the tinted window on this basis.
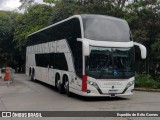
(58, 61)
(42, 60)
(77, 55)
(58, 32)
(110, 63)
(106, 29)
(76, 46)
(52, 60)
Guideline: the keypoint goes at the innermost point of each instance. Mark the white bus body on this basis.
(89, 55)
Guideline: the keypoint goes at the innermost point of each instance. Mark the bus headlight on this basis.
(93, 84)
(130, 84)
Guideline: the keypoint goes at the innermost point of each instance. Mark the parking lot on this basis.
(25, 95)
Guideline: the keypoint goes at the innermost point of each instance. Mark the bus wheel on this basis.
(32, 76)
(60, 87)
(57, 80)
(66, 86)
(29, 71)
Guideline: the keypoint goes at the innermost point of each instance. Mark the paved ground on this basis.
(29, 96)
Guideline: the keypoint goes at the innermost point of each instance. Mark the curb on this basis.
(147, 89)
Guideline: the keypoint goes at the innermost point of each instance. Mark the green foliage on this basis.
(25, 4)
(155, 48)
(143, 20)
(34, 19)
(64, 10)
(7, 28)
(49, 1)
(59, 1)
(143, 80)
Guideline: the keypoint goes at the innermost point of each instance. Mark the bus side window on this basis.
(42, 60)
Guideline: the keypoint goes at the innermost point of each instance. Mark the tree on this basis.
(144, 20)
(26, 4)
(62, 9)
(35, 18)
(7, 28)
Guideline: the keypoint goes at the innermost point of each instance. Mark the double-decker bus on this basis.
(89, 55)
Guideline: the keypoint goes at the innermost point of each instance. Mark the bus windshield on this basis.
(110, 63)
(106, 30)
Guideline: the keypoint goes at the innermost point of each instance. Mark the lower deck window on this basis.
(52, 60)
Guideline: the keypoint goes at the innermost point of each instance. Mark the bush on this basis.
(145, 80)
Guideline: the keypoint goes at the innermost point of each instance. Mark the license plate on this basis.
(112, 91)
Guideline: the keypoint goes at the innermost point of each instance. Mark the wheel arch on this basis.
(65, 77)
(57, 76)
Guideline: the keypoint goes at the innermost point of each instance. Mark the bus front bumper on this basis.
(98, 93)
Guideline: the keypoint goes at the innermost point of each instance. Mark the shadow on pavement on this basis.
(78, 97)
(93, 99)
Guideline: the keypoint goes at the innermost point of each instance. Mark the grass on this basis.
(146, 81)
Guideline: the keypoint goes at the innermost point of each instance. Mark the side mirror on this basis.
(143, 50)
(85, 46)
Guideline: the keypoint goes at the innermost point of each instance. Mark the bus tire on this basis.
(60, 88)
(58, 84)
(57, 78)
(66, 86)
(32, 75)
(30, 71)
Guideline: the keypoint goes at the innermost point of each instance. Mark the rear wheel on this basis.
(66, 87)
(60, 88)
(29, 71)
(32, 75)
(57, 81)
(59, 85)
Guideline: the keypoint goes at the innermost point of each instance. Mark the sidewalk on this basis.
(147, 89)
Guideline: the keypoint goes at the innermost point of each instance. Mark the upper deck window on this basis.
(104, 29)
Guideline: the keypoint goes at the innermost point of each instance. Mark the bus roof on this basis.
(101, 17)
(82, 16)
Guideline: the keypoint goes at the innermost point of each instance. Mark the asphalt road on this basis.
(30, 96)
